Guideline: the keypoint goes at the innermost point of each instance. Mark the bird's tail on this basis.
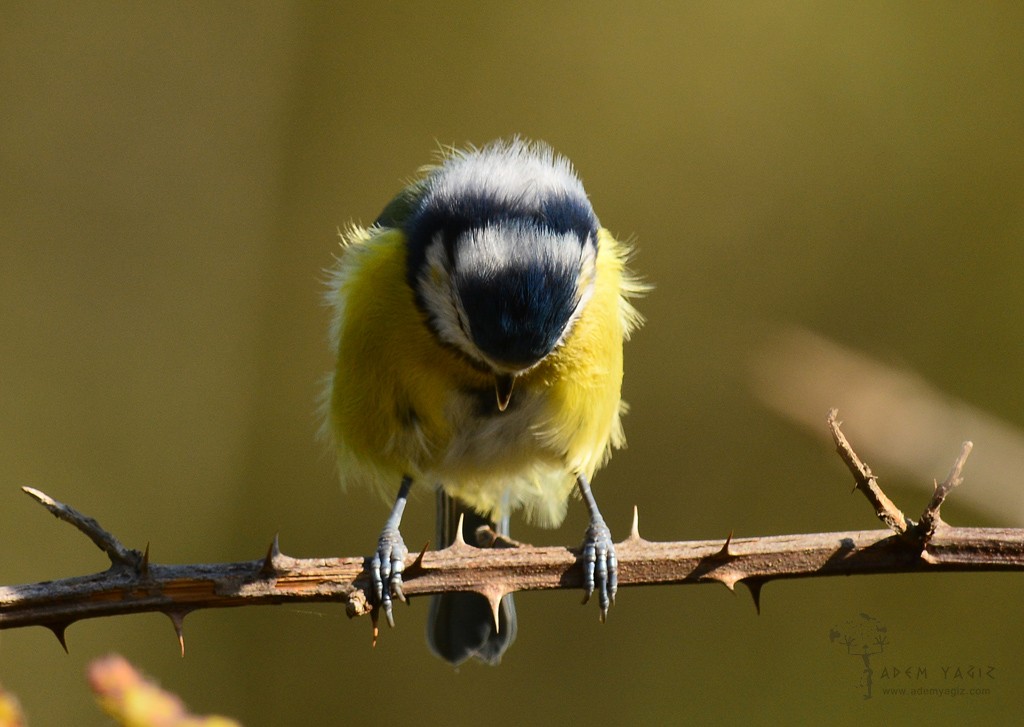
(461, 625)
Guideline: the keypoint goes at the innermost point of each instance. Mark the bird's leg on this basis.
(389, 561)
(600, 568)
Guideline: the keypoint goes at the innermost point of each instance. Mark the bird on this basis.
(478, 328)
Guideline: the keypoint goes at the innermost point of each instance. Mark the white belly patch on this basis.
(498, 462)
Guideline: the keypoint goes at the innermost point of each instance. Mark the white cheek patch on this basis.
(584, 288)
(442, 301)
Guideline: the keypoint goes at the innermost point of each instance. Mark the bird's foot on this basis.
(600, 568)
(386, 570)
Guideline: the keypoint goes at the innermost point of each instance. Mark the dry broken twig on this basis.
(134, 585)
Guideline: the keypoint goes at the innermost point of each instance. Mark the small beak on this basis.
(503, 388)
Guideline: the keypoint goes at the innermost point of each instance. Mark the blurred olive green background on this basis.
(172, 178)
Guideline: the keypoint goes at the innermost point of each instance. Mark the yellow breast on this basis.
(400, 403)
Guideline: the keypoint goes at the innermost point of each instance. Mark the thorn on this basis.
(494, 593)
(755, 585)
(268, 569)
(729, 580)
(177, 617)
(58, 630)
(724, 552)
(418, 563)
(144, 565)
(375, 620)
(459, 539)
(495, 600)
(634, 529)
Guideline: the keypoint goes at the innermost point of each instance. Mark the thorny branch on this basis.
(134, 585)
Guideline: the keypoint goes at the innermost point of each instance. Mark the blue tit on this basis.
(478, 326)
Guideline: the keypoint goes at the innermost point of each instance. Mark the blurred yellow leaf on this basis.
(10, 712)
(135, 702)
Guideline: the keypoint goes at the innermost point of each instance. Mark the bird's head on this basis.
(502, 253)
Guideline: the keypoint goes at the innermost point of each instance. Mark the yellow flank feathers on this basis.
(403, 404)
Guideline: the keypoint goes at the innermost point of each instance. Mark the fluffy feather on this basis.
(402, 403)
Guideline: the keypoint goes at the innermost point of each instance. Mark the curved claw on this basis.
(600, 566)
(386, 568)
